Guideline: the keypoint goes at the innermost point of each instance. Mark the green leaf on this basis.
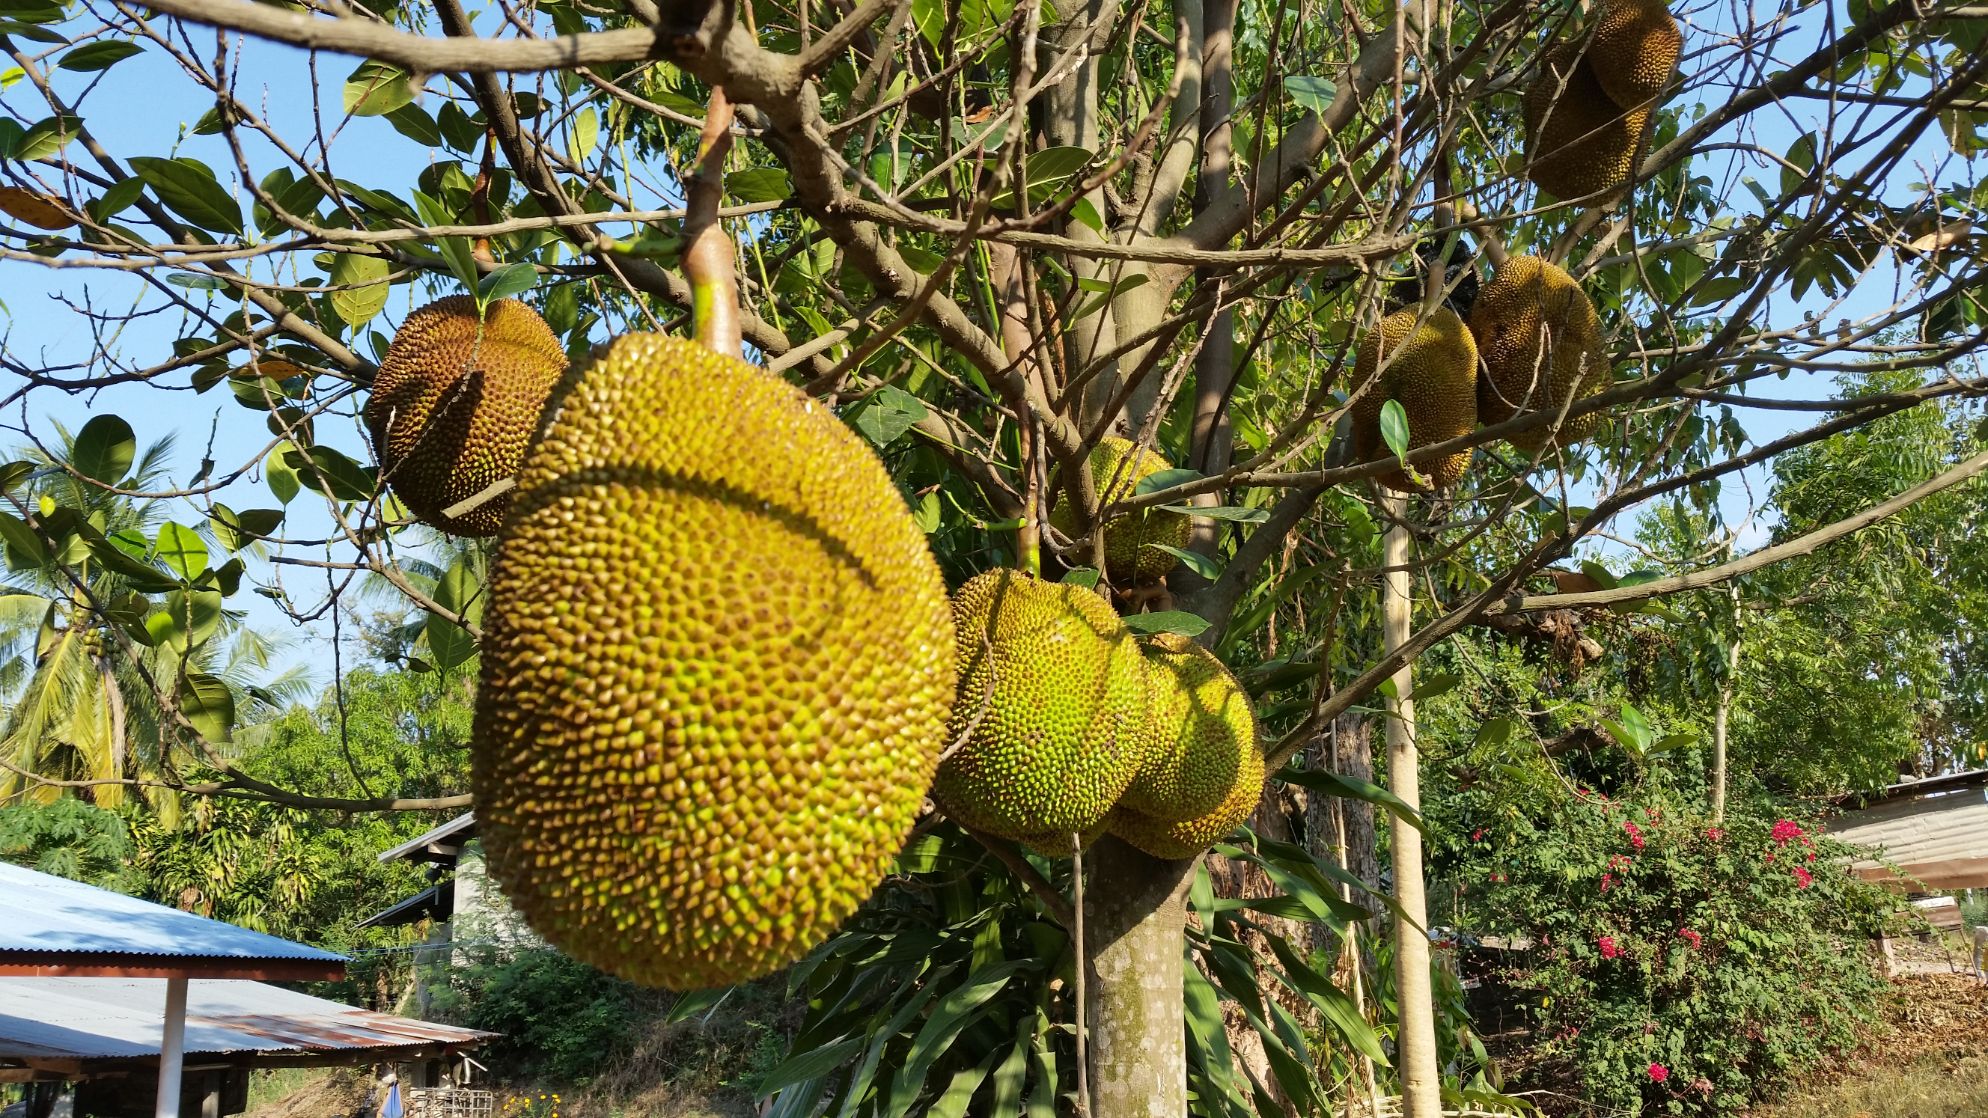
(331, 471)
(952, 1102)
(1195, 561)
(1235, 513)
(193, 282)
(460, 591)
(92, 57)
(208, 705)
(182, 550)
(47, 137)
(1437, 683)
(952, 1014)
(1599, 573)
(511, 279)
(24, 546)
(189, 189)
(1086, 577)
(236, 530)
(186, 619)
(586, 131)
(366, 289)
(1394, 427)
(377, 88)
(1495, 732)
(1353, 788)
(115, 200)
(281, 476)
(811, 1064)
(1332, 1002)
(1167, 621)
(759, 184)
(1311, 94)
(1162, 479)
(104, 449)
(460, 255)
(693, 1002)
(413, 122)
(887, 414)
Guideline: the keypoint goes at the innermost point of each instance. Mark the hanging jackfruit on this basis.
(457, 401)
(1117, 467)
(1578, 141)
(1634, 48)
(1051, 697)
(1187, 838)
(1201, 732)
(1540, 341)
(1432, 370)
(717, 668)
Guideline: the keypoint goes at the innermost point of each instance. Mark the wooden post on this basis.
(172, 1048)
(1421, 1080)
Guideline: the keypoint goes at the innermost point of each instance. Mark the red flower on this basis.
(1769, 856)
(1691, 937)
(1477, 835)
(1608, 948)
(1659, 1072)
(1607, 880)
(1635, 834)
(1803, 879)
(1498, 877)
(1785, 829)
(1715, 833)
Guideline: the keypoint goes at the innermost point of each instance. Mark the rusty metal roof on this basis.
(54, 923)
(46, 1020)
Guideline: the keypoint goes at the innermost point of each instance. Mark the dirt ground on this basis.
(1931, 1062)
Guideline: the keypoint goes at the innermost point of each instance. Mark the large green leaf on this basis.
(377, 88)
(948, 1017)
(365, 281)
(182, 550)
(100, 55)
(208, 705)
(104, 449)
(188, 188)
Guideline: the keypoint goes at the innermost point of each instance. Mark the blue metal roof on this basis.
(50, 921)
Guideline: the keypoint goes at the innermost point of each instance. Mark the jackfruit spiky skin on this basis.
(1057, 684)
(717, 667)
(1056, 844)
(1540, 342)
(1190, 837)
(456, 404)
(1201, 731)
(33, 207)
(1117, 467)
(1635, 48)
(1578, 141)
(1432, 370)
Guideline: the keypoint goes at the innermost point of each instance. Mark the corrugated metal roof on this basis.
(123, 1018)
(460, 829)
(47, 915)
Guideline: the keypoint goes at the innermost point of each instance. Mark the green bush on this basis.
(561, 1021)
(1673, 967)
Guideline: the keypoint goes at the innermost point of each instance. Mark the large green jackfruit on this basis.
(1540, 342)
(1189, 837)
(1578, 141)
(1201, 729)
(1634, 48)
(1432, 370)
(717, 668)
(456, 402)
(1051, 691)
(1117, 467)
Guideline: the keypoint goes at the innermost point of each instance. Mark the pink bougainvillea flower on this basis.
(1803, 878)
(1659, 1072)
(1477, 835)
(1635, 834)
(1785, 829)
(1607, 880)
(1715, 833)
(1608, 948)
(1691, 937)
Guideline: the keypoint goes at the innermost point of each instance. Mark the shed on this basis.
(1935, 830)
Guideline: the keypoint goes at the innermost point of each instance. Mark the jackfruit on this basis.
(1633, 50)
(1051, 691)
(457, 401)
(1540, 341)
(1056, 844)
(1432, 370)
(717, 668)
(1201, 730)
(33, 207)
(1117, 467)
(1190, 837)
(1578, 141)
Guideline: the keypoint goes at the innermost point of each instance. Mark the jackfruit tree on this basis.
(935, 495)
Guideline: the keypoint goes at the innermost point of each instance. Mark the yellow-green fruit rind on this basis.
(1432, 370)
(1052, 685)
(1635, 47)
(1540, 342)
(1201, 730)
(1117, 467)
(1578, 141)
(1190, 837)
(1056, 844)
(717, 668)
(456, 403)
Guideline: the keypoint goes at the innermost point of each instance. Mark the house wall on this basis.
(1940, 840)
(481, 916)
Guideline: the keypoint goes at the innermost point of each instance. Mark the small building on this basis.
(1934, 832)
(471, 917)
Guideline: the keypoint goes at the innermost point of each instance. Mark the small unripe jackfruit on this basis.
(1578, 141)
(1540, 342)
(1117, 467)
(456, 403)
(1190, 837)
(1051, 697)
(1634, 49)
(1201, 732)
(717, 667)
(1432, 370)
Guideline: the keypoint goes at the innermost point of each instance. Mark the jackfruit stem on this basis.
(707, 255)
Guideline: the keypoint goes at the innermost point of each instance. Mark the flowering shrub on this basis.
(1675, 967)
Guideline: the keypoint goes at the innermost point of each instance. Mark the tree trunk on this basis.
(1720, 717)
(1421, 1083)
(1135, 921)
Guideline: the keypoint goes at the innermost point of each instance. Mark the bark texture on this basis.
(1135, 919)
(1421, 1081)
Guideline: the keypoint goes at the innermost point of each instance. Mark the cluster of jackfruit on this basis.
(456, 403)
(1588, 110)
(1540, 342)
(715, 685)
(1431, 370)
(1117, 467)
(1065, 725)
